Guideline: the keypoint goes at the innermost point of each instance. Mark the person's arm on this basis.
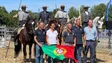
(39, 17)
(90, 16)
(15, 16)
(37, 41)
(84, 38)
(56, 15)
(63, 35)
(62, 42)
(74, 42)
(96, 34)
(47, 40)
(68, 18)
(57, 40)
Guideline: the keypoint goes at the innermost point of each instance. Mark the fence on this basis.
(5, 34)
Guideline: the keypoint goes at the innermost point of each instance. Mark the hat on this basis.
(44, 6)
(62, 5)
(86, 7)
(24, 6)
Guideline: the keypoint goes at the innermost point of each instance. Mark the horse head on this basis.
(95, 20)
(30, 26)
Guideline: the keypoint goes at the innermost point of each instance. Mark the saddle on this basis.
(20, 28)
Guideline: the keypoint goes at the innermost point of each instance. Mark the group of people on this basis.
(81, 37)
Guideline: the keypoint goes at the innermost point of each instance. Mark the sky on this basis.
(36, 5)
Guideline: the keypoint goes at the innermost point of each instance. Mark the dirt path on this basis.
(102, 56)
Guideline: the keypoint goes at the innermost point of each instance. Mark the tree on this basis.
(53, 13)
(73, 12)
(98, 10)
(3, 15)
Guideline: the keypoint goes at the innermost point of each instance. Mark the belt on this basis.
(69, 42)
(62, 18)
(90, 40)
(42, 42)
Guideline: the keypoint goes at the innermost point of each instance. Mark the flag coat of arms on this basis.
(59, 52)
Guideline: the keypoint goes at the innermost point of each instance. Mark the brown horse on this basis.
(25, 38)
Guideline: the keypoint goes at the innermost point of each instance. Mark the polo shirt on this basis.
(68, 36)
(41, 35)
(78, 31)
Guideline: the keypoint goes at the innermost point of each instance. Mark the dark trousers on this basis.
(53, 60)
(90, 45)
(67, 60)
(78, 51)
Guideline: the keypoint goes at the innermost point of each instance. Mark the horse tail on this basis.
(18, 46)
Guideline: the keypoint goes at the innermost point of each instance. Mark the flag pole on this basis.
(19, 4)
(10, 41)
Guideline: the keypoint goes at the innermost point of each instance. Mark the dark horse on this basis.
(24, 38)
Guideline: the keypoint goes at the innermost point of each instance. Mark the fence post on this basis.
(3, 36)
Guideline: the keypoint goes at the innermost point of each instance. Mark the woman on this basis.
(52, 37)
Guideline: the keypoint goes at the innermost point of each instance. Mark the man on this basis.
(68, 38)
(40, 36)
(44, 16)
(62, 15)
(23, 15)
(86, 15)
(91, 35)
(79, 33)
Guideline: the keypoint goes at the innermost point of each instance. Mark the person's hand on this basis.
(74, 45)
(84, 43)
(63, 43)
(48, 44)
(15, 16)
(40, 44)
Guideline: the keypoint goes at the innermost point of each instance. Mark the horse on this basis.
(25, 37)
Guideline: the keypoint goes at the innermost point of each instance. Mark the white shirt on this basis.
(86, 12)
(52, 36)
(62, 14)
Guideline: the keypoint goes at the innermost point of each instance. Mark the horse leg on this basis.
(24, 51)
(34, 49)
(30, 47)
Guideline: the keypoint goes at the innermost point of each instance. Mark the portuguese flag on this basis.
(59, 52)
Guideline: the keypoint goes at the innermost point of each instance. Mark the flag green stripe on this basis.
(49, 50)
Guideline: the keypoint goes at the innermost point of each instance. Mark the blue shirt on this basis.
(90, 34)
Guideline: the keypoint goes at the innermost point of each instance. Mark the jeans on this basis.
(78, 51)
(67, 60)
(91, 46)
(39, 54)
